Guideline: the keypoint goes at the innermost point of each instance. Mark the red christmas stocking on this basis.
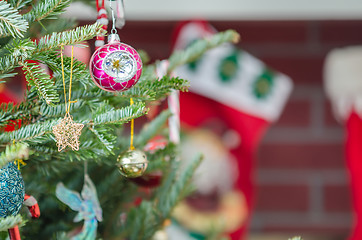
(343, 74)
(237, 89)
(354, 157)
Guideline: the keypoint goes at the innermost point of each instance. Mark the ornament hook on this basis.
(114, 30)
(118, 18)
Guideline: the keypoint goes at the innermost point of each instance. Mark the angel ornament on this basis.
(88, 207)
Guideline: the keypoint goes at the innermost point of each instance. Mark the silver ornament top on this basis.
(113, 37)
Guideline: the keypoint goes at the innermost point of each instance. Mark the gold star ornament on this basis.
(67, 133)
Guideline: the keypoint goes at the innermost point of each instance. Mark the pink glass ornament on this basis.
(116, 66)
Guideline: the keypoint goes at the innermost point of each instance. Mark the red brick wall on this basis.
(301, 177)
(303, 184)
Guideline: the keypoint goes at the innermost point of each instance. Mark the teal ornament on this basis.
(12, 190)
(263, 85)
(229, 67)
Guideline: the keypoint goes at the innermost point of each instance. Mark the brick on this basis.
(340, 32)
(302, 69)
(152, 36)
(337, 198)
(282, 198)
(266, 31)
(301, 156)
(338, 232)
(295, 114)
(329, 119)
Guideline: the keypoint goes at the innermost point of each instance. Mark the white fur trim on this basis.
(343, 80)
(103, 21)
(31, 201)
(102, 11)
(239, 93)
(99, 43)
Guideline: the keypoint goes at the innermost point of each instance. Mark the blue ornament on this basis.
(12, 190)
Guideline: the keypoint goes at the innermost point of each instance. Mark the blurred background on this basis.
(300, 175)
(302, 183)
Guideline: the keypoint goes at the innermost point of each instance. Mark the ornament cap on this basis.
(113, 37)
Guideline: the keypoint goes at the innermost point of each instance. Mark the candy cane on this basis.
(102, 18)
(173, 105)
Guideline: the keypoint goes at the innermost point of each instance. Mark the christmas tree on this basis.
(32, 37)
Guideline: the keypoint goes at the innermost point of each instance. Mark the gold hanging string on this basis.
(67, 131)
(61, 58)
(70, 81)
(131, 147)
(18, 161)
(67, 105)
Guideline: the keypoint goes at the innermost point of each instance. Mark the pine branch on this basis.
(10, 222)
(70, 37)
(142, 222)
(152, 129)
(199, 47)
(38, 132)
(20, 48)
(46, 9)
(6, 75)
(33, 133)
(8, 64)
(175, 187)
(58, 110)
(120, 116)
(19, 4)
(164, 85)
(37, 78)
(12, 114)
(80, 71)
(105, 137)
(13, 152)
(11, 22)
(17, 51)
(140, 93)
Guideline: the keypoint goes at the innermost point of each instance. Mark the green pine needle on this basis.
(149, 131)
(19, 4)
(37, 78)
(20, 48)
(47, 9)
(199, 47)
(33, 133)
(11, 22)
(105, 137)
(120, 116)
(13, 152)
(10, 222)
(70, 37)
